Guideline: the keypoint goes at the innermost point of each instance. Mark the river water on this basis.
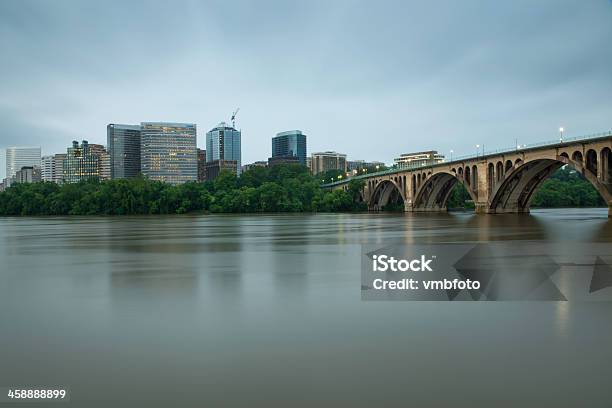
(265, 310)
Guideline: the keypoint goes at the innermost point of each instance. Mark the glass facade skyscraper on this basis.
(290, 143)
(123, 143)
(168, 151)
(223, 143)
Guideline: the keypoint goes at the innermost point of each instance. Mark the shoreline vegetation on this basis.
(279, 189)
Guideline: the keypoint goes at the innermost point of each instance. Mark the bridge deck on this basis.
(488, 154)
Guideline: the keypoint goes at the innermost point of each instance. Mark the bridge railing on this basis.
(457, 159)
(560, 141)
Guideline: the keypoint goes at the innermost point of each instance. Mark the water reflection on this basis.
(202, 306)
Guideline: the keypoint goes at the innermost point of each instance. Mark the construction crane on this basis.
(234, 117)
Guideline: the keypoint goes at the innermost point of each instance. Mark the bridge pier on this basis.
(481, 208)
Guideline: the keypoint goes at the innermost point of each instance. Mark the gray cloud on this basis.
(371, 79)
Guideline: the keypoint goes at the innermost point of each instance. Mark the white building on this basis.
(47, 168)
(418, 159)
(18, 157)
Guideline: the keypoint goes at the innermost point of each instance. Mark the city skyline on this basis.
(470, 76)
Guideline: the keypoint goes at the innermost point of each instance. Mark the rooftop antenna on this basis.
(234, 117)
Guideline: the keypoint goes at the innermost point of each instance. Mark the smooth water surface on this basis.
(265, 311)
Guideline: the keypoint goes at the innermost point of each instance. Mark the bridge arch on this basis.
(434, 193)
(385, 192)
(515, 192)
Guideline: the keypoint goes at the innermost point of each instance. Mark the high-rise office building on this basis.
(80, 163)
(103, 160)
(18, 157)
(168, 151)
(47, 168)
(325, 161)
(58, 167)
(223, 143)
(289, 144)
(123, 143)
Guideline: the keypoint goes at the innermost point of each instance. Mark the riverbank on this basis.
(280, 189)
(285, 188)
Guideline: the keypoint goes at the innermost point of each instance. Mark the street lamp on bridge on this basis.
(451, 152)
(561, 131)
(477, 147)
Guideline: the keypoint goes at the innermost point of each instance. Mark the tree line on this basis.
(283, 188)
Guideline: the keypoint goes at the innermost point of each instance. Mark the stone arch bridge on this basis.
(498, 182)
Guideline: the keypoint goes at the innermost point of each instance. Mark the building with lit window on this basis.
(27, 174)
(362, 164)
(356, 166)
(289, 144)
(168, 151)
(123, 143)
(223, 143)
(103, 160)
(80, 163)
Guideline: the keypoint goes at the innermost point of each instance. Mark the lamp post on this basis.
(477, 147)
(451, 152)
(561, 131)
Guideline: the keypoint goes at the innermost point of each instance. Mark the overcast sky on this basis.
(371, 79)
